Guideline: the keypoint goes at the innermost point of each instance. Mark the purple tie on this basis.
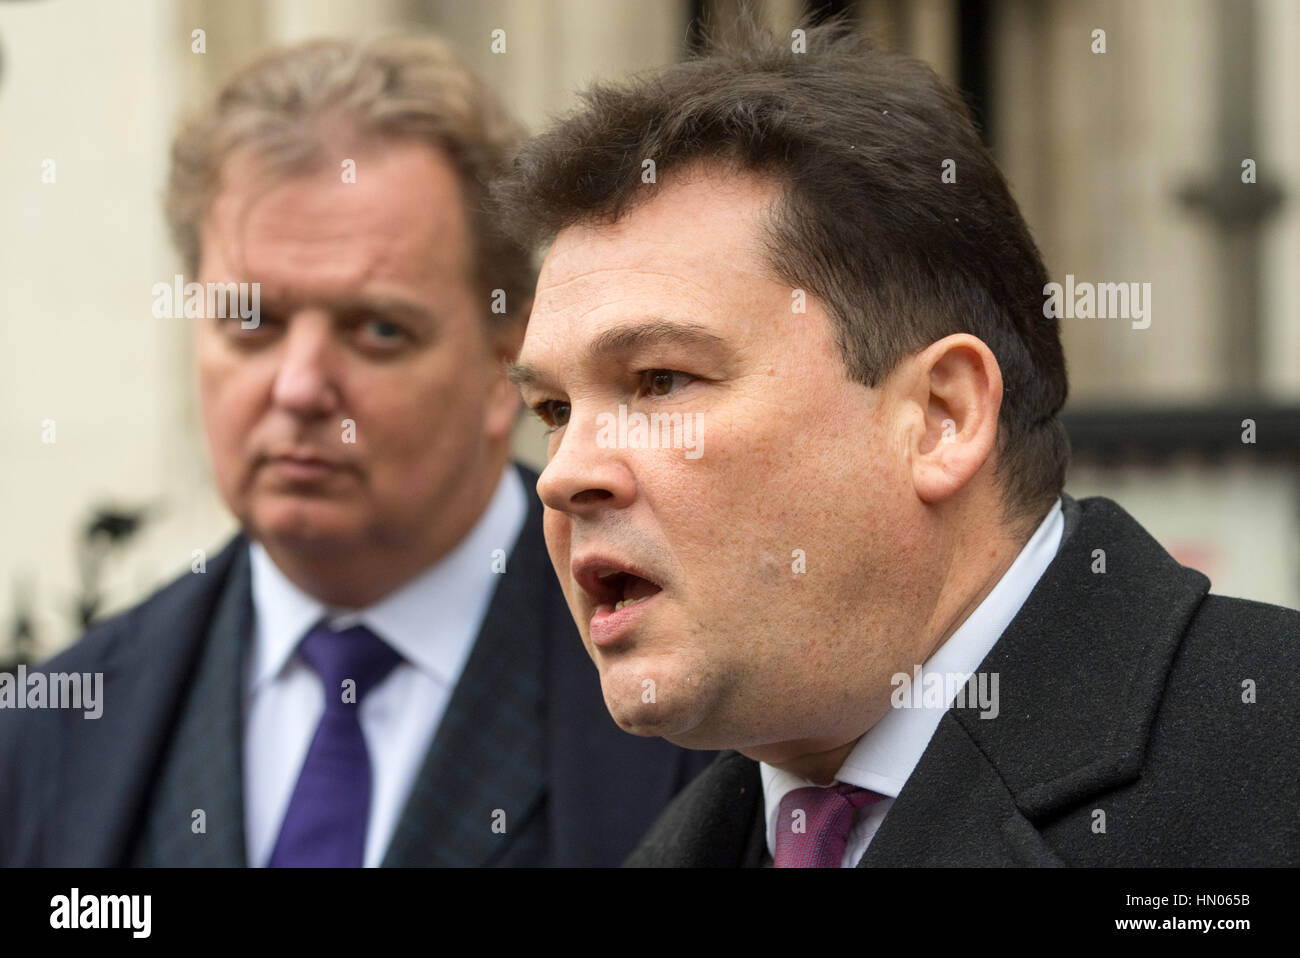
(325, 826)
(814, 823)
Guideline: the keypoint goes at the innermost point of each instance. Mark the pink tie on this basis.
(813, 824)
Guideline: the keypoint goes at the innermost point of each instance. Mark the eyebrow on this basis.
(391, 305)
(621, 340)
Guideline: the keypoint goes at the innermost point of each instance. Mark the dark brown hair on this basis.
(858, 137)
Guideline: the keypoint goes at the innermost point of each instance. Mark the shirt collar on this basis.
(883, 759)
(453, 593)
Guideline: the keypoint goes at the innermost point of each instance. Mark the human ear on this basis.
(956, 386)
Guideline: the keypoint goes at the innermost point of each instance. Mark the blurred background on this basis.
(1126, 149)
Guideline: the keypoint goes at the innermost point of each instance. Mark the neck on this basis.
(817, 767)
(977, 562)
(978, 565)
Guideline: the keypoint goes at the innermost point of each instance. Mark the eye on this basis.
(379, 329)
(663, 382)
(552, 412)
(267, 326)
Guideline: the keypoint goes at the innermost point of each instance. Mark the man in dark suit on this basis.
(379, 669)
(804, 494)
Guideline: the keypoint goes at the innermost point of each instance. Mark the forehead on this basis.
(402, 220)
(695, 243)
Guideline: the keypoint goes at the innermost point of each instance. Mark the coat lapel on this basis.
(482, 779)
(955, 811)
(201, 778)
(1081, 669)
(105, 766)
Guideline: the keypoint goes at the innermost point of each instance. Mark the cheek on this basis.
(555, 529)
(765, 520)
(228, 402)
(414, 432)
(723, 516)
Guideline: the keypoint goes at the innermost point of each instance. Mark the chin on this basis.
(306, 523)
(650, 711)
(638, 718)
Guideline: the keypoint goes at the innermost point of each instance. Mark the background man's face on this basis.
(742, 649)
(368, 315)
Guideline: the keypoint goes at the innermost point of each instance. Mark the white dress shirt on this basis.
(884, 757)
(432, 621)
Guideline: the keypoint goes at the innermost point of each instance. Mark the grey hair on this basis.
(283, 105)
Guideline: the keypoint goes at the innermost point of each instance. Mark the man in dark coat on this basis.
(798, 354)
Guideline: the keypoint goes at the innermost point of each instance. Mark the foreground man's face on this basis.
(355, 416)
(769, 557)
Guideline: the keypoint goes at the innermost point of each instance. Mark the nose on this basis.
(581, 478)
(305, 382)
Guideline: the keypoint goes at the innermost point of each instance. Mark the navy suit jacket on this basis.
(526, 732)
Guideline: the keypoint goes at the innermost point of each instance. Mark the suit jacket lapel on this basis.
(105, 767)
(1081, 669)
(203, 768)
(486, 766)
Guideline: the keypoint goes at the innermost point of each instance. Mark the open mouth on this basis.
(621, 598)
(625, 589)
(622, 589)
(620, 594)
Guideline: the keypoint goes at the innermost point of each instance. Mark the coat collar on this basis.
(1084, 663)
(1081, 672)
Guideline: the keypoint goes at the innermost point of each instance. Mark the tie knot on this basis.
(814, 823)
(355, 654)
(858, 797)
